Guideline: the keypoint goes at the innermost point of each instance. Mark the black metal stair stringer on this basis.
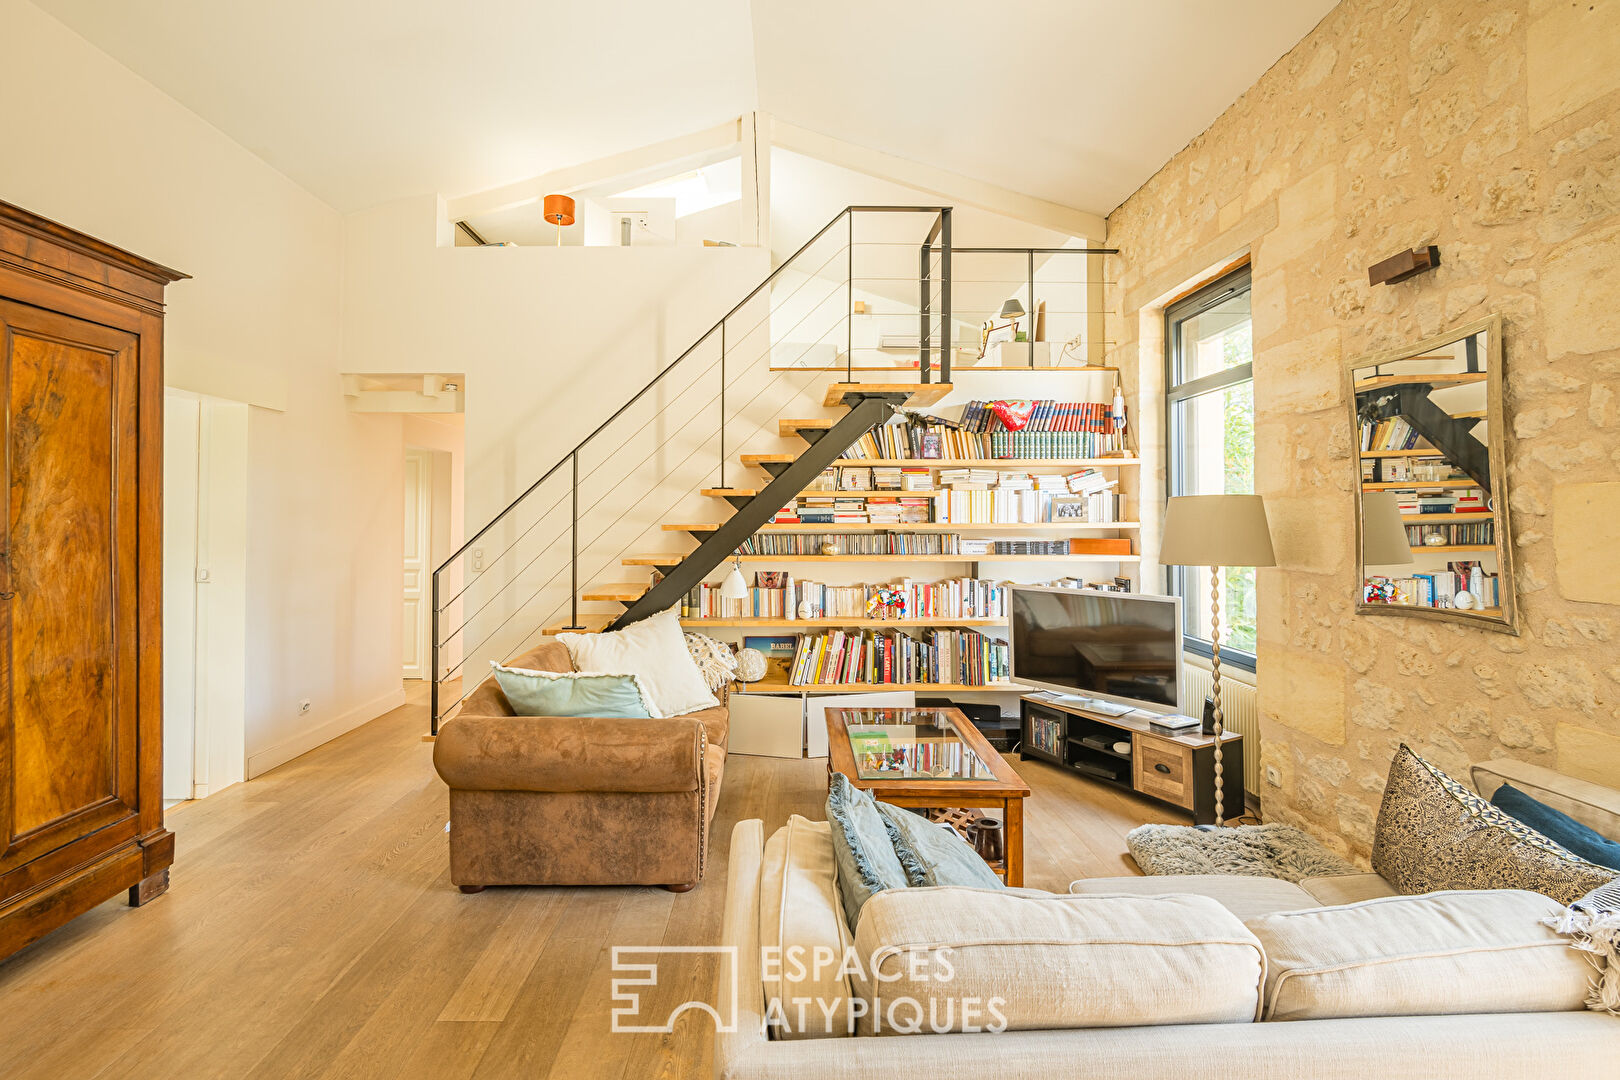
(865, 413)
(1450, 435)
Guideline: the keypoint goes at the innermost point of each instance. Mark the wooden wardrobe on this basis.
(81, 591)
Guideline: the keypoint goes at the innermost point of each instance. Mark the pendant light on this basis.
(734, 587)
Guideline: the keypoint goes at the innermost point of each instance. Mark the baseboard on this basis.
(265, 760)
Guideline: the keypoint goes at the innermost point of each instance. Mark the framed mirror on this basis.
(1432, 532)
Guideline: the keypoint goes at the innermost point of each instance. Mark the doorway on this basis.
(428, 495)
(205, 454)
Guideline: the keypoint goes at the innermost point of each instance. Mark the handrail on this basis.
(941, 228)
(719, 324)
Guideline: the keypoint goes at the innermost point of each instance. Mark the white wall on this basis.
(96, 148)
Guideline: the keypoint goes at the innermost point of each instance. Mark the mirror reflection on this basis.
(1433, 504)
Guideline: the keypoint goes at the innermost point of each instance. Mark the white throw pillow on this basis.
(653, 649)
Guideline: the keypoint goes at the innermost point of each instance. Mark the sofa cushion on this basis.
(802, 934)
(572, 693)
(933, 854)
(867, 864)
(655, 649)
(1559, 827)
(1446, 952)
(1434, 834)
(1033, 962)
(1246, 897)
(1346, 889)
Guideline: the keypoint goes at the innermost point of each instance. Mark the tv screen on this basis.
(1120, 646)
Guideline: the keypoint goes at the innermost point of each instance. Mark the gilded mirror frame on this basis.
(1503, 617)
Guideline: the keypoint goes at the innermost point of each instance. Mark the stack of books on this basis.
(888, 657)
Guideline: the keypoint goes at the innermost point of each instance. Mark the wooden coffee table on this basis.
(924, 757)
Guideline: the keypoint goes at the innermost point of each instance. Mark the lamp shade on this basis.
(1383, 533)
(1216, 530)
(734, 587)
(1012, 309)
(559, 209)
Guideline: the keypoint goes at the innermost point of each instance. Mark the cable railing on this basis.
(723, 385)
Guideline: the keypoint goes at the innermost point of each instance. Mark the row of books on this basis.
(856, 509)
(1421, 500)
(1011, 506)
(1088, 417)
(969, 546)
(775, 594)
(900, 543)
(1440, 588)
(1454, 535)
(883, 657)
(946, 442)
(1392, 434)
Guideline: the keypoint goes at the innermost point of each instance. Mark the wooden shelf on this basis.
(1419, 518)
(946, 526)
(670, 559)
(776, 684)
(836, 623)
(1401, 453)
(1452, 547)
(1404, 485)
(992, 463)
(921, 394)
(1435, 379)
(957, 367)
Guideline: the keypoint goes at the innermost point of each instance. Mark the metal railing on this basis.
(474, 614)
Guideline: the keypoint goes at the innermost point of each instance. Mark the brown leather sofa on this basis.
(550, 800)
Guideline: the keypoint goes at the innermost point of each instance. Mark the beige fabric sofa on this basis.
(1154, 981)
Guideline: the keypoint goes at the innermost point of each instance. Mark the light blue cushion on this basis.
(862, 850)
(572, 693)
(933, 854)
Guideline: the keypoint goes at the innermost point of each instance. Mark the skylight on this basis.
(695, 191)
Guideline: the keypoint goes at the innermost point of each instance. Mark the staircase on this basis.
(495, 608)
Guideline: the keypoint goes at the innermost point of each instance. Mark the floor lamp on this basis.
(1216, 531)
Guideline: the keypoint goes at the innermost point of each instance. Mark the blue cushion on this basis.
(862, 850)
(1558, 826)
(572, 693)
(933, 854)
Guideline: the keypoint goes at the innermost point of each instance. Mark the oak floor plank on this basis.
(312, 931)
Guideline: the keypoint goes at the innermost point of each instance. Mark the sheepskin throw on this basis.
(1278, 851)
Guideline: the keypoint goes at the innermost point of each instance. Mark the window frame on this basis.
(1228, 285)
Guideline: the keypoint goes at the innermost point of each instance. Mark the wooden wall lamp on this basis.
(1406, 264)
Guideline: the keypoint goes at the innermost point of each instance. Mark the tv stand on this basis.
(1176, 769)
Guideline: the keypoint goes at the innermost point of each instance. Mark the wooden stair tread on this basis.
(657, 558)
(730, 493)
(787, 428)
(594, 624)
(769, 459)
(616, 590)
(919, 394)
(691, 528)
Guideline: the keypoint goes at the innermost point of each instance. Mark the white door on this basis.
(181, 429)
(417, 654)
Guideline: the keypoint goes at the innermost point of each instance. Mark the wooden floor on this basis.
(312, 931)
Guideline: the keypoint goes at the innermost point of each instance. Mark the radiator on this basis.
(1239, 712)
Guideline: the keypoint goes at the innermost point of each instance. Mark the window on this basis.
(1209, 376)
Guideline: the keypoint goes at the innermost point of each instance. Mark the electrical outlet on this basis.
(303, 706)
(478, 559)
(1273, 777)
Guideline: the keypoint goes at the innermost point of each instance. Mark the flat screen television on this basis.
(1121, 647)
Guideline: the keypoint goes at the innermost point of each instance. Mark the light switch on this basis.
(202, 575)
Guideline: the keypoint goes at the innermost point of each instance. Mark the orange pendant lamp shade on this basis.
(559, 210)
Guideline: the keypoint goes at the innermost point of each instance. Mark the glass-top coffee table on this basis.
(929, 757)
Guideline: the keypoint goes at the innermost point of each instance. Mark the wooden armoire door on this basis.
(67, 584)
(81, 549)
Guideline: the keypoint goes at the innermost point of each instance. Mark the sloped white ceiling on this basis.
(1075, 101)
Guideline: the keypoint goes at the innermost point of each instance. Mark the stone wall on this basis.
(1491, 129)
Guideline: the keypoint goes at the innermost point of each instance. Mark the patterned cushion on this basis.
(1435, 834)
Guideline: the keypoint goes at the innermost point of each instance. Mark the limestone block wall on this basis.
(1491, 129)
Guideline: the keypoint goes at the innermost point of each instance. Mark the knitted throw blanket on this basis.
(1592, 924)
